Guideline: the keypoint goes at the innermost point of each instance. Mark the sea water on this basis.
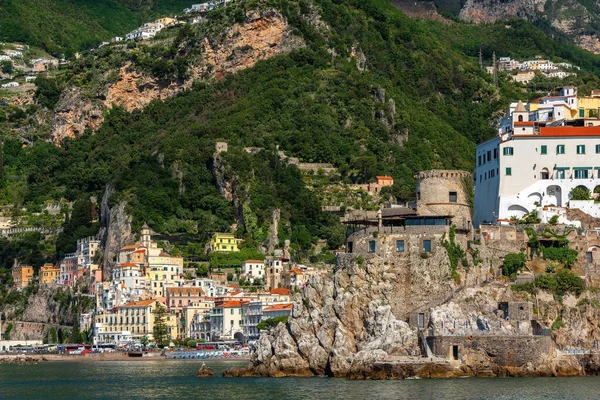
(177, 380)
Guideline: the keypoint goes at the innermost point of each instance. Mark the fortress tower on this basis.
(442, 192)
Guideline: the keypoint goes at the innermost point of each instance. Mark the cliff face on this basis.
(262, 35)
(340, 325)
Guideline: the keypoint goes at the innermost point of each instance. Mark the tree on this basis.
(513, 262)
(160, 329)
(144, 341)
(269, 323)
(6, 67)
(202, 270)
(75, 333)
(580, 193)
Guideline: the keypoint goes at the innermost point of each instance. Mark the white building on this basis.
(226, 321)
(533, 164)
(10, 85)
(254, 269)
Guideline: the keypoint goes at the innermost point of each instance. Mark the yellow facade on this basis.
(137, 318)
(49, 273)
(22, 275)
(225, 242)
(588, 107)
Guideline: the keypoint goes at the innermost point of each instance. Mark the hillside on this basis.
(356, 84)
(66, 26)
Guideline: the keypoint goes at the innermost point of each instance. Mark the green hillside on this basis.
(65, 26)
(313, 106)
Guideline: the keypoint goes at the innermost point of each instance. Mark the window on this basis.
(544, 149)
(508, 171)
(495, 153)
(479, 160)
(520, 118)
(507, 151)
(426, 246)
(231, 312)
(452, 197)
(560, 174)
(581, 149)
(492, 173)
(581, 113)
(372, 246)
(560, 149)
(489, 156)
(400, 246)
(597, 148)
(581, 173)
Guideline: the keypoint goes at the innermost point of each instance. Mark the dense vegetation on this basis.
(66, 26)
(437, 105)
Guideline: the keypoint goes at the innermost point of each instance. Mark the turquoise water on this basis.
(176, 380)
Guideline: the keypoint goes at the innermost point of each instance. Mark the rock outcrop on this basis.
(205, 372)
(262, 35)
(116, 231)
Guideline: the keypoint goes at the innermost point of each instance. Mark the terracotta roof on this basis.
(280, 291)
(278, 307)
(385, 177)
(295, 270)
(163, 254)
(557, 131)
(129, 247)
(524, 123)
(184, 289)
(126, 265)
(254, 261)
(231, 304)
(140, 251)
(141, 303)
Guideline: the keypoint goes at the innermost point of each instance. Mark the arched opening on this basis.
(590, 253)
(596, 193)
(520, 118)
(239, 336)
(517, 211)
(535, 198)
(545, 174)
(554, 196)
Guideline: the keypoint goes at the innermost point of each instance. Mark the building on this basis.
(22, 275)
(226, 320)
(10, 85)
(253, 269)
(535, 163)
(277, 310)
(523, 76)
(179, 298)
(225, 242)
(274, 271)
(49, 274)
(133, 321)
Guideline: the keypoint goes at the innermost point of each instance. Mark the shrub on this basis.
(553, 220)
(580, 193)
(267, 324)
(513, 262)
(564, 281)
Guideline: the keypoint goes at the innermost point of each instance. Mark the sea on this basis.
(177, 380)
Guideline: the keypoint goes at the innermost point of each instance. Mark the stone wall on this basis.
(505, 350)
(433, 196)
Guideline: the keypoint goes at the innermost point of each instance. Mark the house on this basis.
(49, 274)
(13, 53)
(536, 160)
(129, 275)
(226, 320)
(165, 22)
(225, 242)
(116, 39)
(5, 58)
(182, 297)
(29, 79)
(43, 64)
(274, 271)
(22, 275)
(523, 76)
(133, 321)
(10, 85)
(281, 295)
(254, 269)
(277, 310)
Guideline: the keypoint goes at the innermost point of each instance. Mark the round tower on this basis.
(443, 192)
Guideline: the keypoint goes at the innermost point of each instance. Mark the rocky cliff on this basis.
(262, 35)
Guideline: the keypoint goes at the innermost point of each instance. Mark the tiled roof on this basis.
(193, 290)
(384, 177)
(566, 131)
(129, 247)
(141, 303)
(295, 270)
(278, 307)
(231, 304)
(524, 123)
(254, 261)
(126, 265)
(280, 291)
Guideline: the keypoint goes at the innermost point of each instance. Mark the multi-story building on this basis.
(253, 269)
(224, 242)
(277, 310)
(226, 320)
(133, 321)
(22, 275)
(49, 274)
(535, 162)
(274, 271)
(179, 298)
(252, 314)
(130, 275)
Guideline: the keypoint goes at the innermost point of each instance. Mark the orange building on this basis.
(22, 275)
(49, 273)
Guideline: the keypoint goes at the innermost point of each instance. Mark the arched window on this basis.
(520, 118)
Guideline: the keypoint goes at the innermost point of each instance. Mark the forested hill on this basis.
(66, 26)
(371, 91)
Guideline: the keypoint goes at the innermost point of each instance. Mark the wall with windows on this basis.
(487, 181)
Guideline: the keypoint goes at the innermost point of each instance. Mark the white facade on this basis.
(254, 268)
(530, 167)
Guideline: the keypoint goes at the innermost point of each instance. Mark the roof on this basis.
(295, 270)
(126, 265)
(524, 123)
(140, 251)
(397, 211)
(384, 177)
(278, 307)
(280, 291)
(163, 254)
(184, 289)
(520, 107)
(565, 131)
(253, 261)
(141, 303)
(231, 304)
(129, 247)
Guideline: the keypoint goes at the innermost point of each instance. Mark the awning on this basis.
(562, 168)
(582, 168)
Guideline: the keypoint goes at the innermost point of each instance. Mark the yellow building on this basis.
(166, 21)
(225, 242)
(22, 275)
(135, 319)
(49, 273)
(589, 105)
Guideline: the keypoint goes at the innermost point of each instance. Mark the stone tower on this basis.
(442, 192)
(146, 236)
